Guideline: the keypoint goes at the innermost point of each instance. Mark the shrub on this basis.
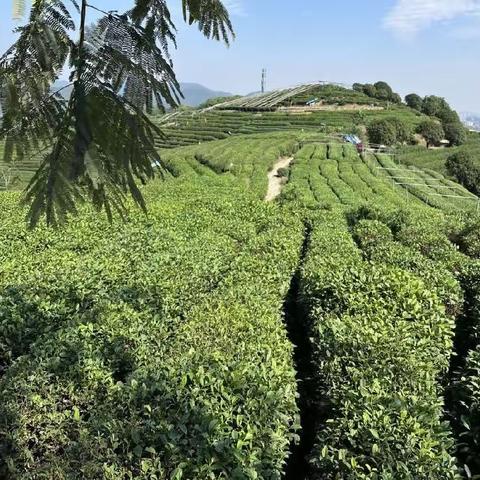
(382, 132)
(368, 233)
(432, 131)
(414, 101)
(402, 129)
(470, 240)
(151, 349)
(462, 166)
(381, 338)
(455, 133)
(389, 131)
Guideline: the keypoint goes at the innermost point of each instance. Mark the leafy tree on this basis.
(389, 131)
(380, 91)
(434, 106)
(439, 107)
(403, 132)
(383, 91)
(448, 115)
(462, 166)
(414, 101)
(455, 133)
(396, 98)
(99, 143)
(432, 131)
(382, 132)
(370, 90)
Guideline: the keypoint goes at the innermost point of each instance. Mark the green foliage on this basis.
(382, 132)
(434, 106)
(432, 131)
(116, 365)
(439, 108)
(435, 160)
(403, 130)
(462, 166)
(469, 239)
(467, 396)
(414, 101)
(380, 91)
(389, 131)
(455, 133)
(381, 337)
(371, 233)
(122, 68)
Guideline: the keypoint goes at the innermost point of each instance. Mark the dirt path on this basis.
(274, 182)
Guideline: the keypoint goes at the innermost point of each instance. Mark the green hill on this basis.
(319, 320)
(229, 326)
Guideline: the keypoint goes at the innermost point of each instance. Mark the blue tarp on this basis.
(352, 139)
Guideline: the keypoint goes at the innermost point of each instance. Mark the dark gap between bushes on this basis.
(297, 467)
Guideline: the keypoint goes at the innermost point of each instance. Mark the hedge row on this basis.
(425, 248)
(152, 350)
(381, 339)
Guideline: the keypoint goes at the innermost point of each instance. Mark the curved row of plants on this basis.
(382, 340)
(153, 349)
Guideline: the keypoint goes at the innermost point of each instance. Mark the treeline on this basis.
(444, 123)
(439, 109)
(379, 91)
(463, 167)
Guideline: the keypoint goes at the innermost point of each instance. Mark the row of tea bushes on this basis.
(382, 340)
(420, 241)
(151, 350)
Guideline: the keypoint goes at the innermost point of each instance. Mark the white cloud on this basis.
(410, 16)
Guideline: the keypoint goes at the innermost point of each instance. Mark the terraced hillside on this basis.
(18, 173)
(435, 159)
(335, 173)
(332, 333)
(187, 128)
(192, 127)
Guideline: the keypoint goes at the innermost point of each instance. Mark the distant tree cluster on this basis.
(389, 131)
(379, 91)
(432, 131)
(462, 166)
(437, 107)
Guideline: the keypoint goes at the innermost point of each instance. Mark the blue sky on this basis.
(425, 46)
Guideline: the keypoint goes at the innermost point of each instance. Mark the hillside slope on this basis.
(227, 326)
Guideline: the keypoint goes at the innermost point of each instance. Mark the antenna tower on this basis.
(264, 80)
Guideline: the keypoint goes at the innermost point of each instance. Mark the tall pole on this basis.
(264, 79)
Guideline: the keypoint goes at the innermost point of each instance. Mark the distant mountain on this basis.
(196, 94)
(471, 120)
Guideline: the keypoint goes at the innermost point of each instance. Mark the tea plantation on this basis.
(333, 333)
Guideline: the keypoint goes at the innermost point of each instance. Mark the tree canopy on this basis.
(462, 166)
(432, 131)
(379, 90)
(389, 131)
(121, 67)
(414, 101)
(455, 133)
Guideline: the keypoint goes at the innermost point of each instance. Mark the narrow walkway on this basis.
(274, 182)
